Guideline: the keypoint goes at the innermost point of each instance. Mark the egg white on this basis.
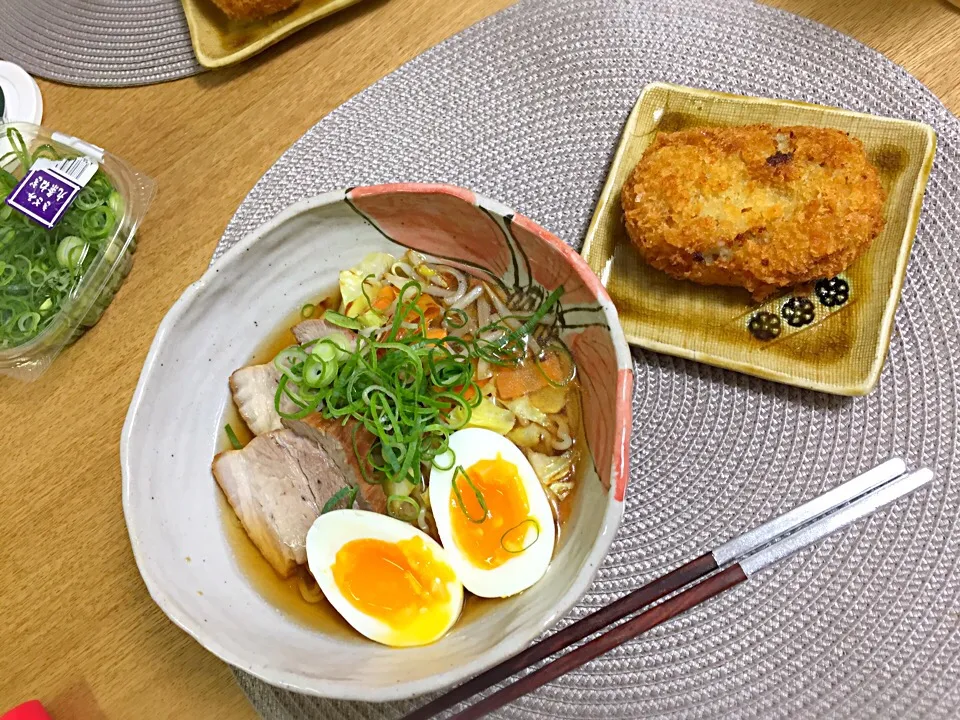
(519, 572)
(333, 530)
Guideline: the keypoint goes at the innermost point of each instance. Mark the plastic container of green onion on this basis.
(56, 283)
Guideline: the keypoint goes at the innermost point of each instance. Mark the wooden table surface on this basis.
(77, 627)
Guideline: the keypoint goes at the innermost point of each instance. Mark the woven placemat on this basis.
(526, 107)
(104, 43)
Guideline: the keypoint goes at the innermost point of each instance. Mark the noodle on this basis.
(308, 587)
(563, 441)
(469, 298)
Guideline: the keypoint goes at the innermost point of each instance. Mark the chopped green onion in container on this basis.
(55, 283)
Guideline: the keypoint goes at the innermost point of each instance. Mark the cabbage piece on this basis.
(551, 469)
(371, 318)
(549, 399)
(526, 436)
(488, 415)
(561, 489)
(526, 411)
(403, 488)
(351, 282)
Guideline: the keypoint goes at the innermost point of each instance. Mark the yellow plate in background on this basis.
(842, 351)
(220, 41)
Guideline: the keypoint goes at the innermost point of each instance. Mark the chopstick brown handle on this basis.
(627, 605)
(676, 605)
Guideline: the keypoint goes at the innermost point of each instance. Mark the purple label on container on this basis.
(44, 196)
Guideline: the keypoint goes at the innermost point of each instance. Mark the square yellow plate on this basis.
(843, 349)
(220, 41)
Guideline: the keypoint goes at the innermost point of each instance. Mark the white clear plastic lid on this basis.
(21, 95)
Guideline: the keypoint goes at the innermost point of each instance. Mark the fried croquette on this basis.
(253, 9)
(760, 207)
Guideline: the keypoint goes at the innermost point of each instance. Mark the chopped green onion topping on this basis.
(448, 458)
(454, 318)
(512, 547)
(403, 507)
(561, 349)
(521, 333)
(343, 321)
(407, 390)
(307, 310)
(232, 437)
(350, 493)
(459, 471)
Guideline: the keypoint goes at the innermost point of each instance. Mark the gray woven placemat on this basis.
(101, 43)
(526, 107)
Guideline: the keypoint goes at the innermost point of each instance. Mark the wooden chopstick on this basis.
(592, 623)
(666, 585)
(691, 571)
(704, 590)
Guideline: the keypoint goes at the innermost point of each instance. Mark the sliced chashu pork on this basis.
(277, 485)
(254, 388)
(280, 481)
(310, 330)
(337, 439)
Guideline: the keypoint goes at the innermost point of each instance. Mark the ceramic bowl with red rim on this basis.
(172, 504)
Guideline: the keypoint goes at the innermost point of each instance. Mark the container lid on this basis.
(20, 98)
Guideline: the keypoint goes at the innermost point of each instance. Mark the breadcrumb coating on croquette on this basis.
(759, 207)
(253, 9)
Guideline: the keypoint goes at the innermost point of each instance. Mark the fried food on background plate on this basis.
(253, 9)
(758, 207)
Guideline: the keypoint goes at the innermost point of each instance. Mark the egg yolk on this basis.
(401, 584)
(489, 513)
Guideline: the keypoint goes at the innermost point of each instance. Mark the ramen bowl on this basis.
(174, 427)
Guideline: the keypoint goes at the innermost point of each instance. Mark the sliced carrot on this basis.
(468, 394)
(431, 311)
(387, 294)
(428, 306)
(436, 333)
(519, 381)
(553, 366)
(514, 382)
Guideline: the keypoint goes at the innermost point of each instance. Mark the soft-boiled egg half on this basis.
(390, 581)
(492, 514)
